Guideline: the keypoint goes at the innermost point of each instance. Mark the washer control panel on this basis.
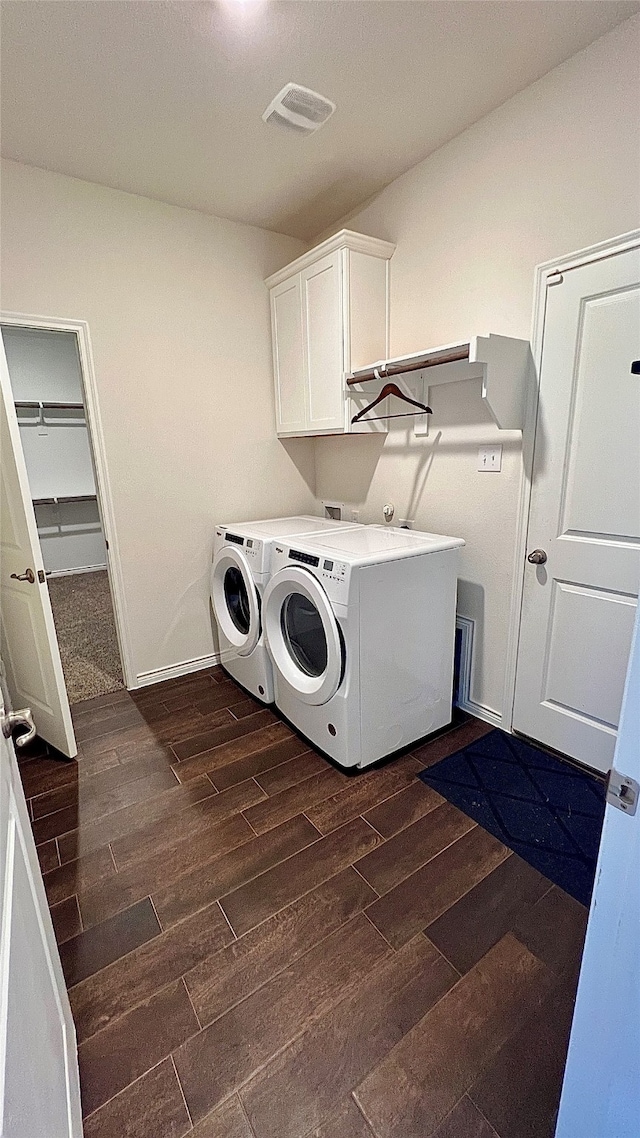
(252, 547)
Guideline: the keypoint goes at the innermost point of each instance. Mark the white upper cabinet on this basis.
(322, 323)
(329, 316)
(288, 355)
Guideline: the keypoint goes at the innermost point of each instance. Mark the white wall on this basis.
(179, 321)
(553, 170)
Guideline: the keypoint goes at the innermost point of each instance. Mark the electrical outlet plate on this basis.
(490, 457)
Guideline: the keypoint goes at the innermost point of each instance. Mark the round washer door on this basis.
(235, 599)
(302, 634)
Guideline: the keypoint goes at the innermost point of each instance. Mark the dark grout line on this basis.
(362, 878)
(430, 859)
(162, 929)
(254, 831)
(380, 934)
(231, 928)
(242, 1108)
(370, 824)
(457, 971)
(467, 1094)
(175, 1071)
(86, 1117)
(367, 823)
(198, 1020)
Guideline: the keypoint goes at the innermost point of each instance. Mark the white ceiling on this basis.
(165, 99)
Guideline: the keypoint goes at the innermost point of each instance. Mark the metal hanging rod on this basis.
(64, 498)
(36, 404)
(409, 363)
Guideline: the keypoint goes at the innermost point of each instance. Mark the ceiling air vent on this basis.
(298, 108)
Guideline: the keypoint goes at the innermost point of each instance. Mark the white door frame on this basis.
(103, 487)
(542, 272)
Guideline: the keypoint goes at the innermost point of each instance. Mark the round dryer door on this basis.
(303, 635)
(235, 599)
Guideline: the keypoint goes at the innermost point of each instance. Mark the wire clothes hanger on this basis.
(391, 389)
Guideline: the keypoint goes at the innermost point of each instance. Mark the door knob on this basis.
(14, 719)
(26, 576)
(537, 557)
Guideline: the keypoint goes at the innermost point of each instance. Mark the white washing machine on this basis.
(360, 626)
(239, 574)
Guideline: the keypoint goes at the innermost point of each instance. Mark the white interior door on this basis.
(29, 643)
(579, 603)
(39, 1086)
(601, 1088)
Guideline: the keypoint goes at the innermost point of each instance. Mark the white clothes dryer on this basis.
(360, 626)
(239, 574)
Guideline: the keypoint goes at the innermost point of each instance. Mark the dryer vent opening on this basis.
(334, 510)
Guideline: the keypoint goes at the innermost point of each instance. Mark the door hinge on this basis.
(555, 278)
(622, 791)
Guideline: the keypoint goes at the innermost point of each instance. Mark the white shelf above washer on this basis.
(503, 363)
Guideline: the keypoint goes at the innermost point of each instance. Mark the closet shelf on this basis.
(52, 404)
(504, 364)
(61, 498)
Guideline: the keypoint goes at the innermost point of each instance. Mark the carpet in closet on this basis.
(83, 615)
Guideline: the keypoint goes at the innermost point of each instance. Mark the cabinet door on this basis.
(323, 333)
(288, 356)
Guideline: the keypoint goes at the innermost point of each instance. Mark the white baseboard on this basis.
(143, 679)
(467, 627)
(71, 572)
(465, 702)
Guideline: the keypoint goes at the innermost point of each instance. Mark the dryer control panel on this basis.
(335, 579)
(333, 574)
(333, 570)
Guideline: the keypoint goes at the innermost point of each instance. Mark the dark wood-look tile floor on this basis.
(259, 946)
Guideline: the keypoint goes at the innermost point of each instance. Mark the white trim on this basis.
(174, 671)
(344, 239)
(479, 711)
(467, 627)
(72, 572)
(103, 487)
(564, 264)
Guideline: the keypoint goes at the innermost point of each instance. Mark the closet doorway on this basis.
(49, 395)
